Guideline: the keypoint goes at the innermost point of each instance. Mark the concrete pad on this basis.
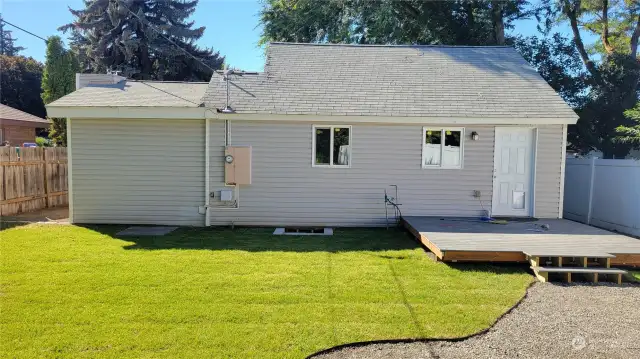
(146, 231)
(45, 215)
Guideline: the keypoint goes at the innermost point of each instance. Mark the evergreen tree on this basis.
(122, 35)
(7, 42)
(631, 134)
(58, 79)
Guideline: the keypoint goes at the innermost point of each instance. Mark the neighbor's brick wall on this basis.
(17, 135)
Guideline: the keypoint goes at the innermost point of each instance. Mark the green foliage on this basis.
(108, 37)
(20, 79)
(610, 98)
(556, 59)
(43, 142)
(58, 131)
(631, 134)
(612, 65)
(60, 70)
(7, 42)
(220, 293)
(390, 22)
(58, 79)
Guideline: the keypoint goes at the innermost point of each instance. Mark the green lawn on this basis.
(636, 274)
(75, 292)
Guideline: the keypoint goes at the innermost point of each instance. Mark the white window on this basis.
(442, 147)
(331, 146)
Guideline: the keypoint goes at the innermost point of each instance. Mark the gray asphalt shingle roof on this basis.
(136, 94)
(10, 113)
(423, 81)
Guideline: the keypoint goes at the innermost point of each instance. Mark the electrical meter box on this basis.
(237, 165)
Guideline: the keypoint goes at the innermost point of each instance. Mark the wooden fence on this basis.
(32, 179)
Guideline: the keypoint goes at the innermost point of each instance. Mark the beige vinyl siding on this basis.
(548, 171)
(287, 190)
(138, 171)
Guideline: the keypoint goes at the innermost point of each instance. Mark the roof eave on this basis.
(419, 120)
(127, 112)
(24, 123)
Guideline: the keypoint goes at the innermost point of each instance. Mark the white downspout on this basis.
(207, 184)
(69, 172)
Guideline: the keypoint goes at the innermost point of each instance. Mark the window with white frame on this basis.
(331, 146)
(442, 147)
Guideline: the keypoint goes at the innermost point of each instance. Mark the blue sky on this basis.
(231, 26)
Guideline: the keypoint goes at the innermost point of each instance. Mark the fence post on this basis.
(592, 179)
(46, 178)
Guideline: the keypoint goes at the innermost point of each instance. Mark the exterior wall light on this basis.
(475, 136)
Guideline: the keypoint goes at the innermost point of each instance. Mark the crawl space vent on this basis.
(304, 231)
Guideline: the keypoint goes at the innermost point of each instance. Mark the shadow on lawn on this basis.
(497, 268)
(262, 240)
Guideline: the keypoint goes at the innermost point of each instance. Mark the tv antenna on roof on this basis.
(225, 77)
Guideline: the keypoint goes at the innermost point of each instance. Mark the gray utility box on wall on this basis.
(226, 194)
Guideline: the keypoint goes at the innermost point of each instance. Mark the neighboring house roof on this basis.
(11, 114)
(394, 81)
(129, 93)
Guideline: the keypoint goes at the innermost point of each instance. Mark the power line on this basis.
(28, 32)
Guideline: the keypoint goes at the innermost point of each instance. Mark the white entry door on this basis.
(513, 172)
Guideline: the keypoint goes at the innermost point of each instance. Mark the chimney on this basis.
(84, 80)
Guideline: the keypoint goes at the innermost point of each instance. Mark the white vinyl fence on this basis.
(603, 193)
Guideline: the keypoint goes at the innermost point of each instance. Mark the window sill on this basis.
(330, 166)
(441, 167)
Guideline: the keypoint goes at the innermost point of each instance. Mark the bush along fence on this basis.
(603, 193)
(32, 179)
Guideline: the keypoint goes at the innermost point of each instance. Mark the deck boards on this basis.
(564, 238)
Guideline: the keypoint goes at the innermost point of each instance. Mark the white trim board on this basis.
(70, 170)
(562, 170)
(207, 170)
(422, 120)
(200, 113)
(156, 113)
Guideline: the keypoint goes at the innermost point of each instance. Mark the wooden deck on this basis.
(469, 239)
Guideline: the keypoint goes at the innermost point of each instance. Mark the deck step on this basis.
(569, 254)
(542, 273)
(579, 270)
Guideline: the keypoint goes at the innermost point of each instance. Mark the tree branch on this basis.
(572, 13)
(605, 27)
(634, 39)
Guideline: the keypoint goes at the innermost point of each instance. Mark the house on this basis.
(318, 137)
(18, 127)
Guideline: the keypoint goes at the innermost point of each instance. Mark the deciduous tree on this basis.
(612, 64)
(20, 79)
(476, 22)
